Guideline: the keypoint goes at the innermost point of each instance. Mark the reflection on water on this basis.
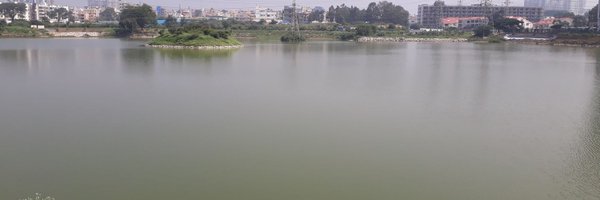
(191, 54)
(583, 175)
(317, 120)
(589, 164)
(138, 60)
(192, 61)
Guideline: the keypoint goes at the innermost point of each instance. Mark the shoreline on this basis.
(360, 40)
(405, 39)
(193, 47)
(553, 43)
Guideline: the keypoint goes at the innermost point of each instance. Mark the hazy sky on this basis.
(410, 5)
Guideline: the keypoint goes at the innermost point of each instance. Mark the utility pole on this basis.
(488, 9)
(440, 12)
(506, 5)
(598, 16)
(295, 24)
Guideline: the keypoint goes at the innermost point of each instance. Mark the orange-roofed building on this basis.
(545, 23)
(526, 23)
(464, 22)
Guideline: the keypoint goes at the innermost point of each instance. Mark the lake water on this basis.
(98, 119)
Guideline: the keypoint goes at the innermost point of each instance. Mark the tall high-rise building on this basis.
(98, 3)
(534, 3)
(578, 7)
(116, 4)
(430, 16)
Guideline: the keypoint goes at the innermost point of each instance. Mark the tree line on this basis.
(18, 10)
(381, 12)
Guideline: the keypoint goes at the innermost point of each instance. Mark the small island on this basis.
(194, 38)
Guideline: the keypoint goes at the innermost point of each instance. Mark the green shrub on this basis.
(2, 25)
(347, 36)
(483, 31)
(21, 23)
(495, 39)
(366, 30)
(291, 37)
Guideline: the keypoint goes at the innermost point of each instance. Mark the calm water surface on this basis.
(106, 119)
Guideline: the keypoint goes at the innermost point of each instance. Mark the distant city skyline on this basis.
(410, 5)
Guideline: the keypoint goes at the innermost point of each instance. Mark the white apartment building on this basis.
(266, 14)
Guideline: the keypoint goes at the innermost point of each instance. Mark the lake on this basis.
(98, 119)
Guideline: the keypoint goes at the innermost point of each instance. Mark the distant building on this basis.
(548, 22)
(88, 14)
(413, 20)
(29, 12)
(98, 3)
(266, 14)
(429, 16)
(301, 11)
(116, 4)
(579, 7)
(245, 15)
(534, 3)
(160, 12)
(526, 23)
(464, 22)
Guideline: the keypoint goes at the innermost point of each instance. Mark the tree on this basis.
(415, 26)
(331, 14)
(70, 18)
(559, 13)
(60, 14)
(316, 15)
(579, 21)
(108, 14)
(356, 15)
(483, 31)
(373, 13)
(342, 13)
(2, 25)
(273, 22)
(496, 17)
(508, 25)
(394, 14)
(45, 19)
(592, 15)
(12, 10)
(36, 22)
(134, 18)
(382, 12)
(365, 30)
(556, 27)
(171, 22)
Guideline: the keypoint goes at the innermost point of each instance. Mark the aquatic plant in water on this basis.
(38, 196)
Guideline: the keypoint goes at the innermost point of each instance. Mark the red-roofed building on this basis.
(450, 22)
(545, 23)
(526, 23)
(464, 22)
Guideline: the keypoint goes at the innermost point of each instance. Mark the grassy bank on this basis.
(19, 31)
(195, 38)
(577, 39)
(275, 35)
(567, 39)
